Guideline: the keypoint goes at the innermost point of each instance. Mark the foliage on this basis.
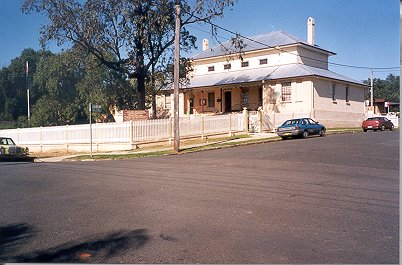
(13, 84)
(61, 88)
(388, 89)
(128, 36)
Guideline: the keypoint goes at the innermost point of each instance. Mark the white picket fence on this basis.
(123, 135)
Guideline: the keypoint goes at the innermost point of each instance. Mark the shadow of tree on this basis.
(11, 237)
(28, 159)
(97, 249)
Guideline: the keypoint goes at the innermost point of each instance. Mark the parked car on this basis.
(9, 149)
(302, 127)
(377, 123)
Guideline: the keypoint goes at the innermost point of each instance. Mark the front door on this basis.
(191, 105)
(228, 101)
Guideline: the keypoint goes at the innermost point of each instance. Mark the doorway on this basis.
(191, 105)
(228, 101)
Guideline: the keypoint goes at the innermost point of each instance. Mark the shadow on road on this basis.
(11, 237)
(98, 249)
(17, 159)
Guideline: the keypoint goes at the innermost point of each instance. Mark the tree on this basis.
(388, 89)
(136, 33)
(13, 89)
(69, 81)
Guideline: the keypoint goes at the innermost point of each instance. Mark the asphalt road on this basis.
(332, 199)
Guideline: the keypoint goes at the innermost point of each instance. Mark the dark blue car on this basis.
(301, 127)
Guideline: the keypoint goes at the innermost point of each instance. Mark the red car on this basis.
(377, 123)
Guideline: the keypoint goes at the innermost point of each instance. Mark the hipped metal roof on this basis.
(264, 73)
(269, 40)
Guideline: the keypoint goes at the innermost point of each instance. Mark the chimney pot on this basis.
(204, 44)
(310, 31)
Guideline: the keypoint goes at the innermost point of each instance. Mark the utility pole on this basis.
(176, 136)
(371, 89)
(26, 83)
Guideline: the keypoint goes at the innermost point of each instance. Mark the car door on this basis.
(307, 126)
(314, 127)
(388, 123)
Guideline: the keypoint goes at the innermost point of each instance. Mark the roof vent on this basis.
(310, 31)
(204, 44)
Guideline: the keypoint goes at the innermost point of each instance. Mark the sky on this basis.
(362, 33)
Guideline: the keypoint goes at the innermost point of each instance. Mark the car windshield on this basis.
(6, 141)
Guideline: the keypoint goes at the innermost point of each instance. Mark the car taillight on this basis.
(297, 127)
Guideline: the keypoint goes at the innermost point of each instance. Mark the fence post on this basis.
(202, 126)
(40, 139)
(170, 130)
(97, 137)
(67, 138)
(131, 134)
(245, 113)
(259, 113)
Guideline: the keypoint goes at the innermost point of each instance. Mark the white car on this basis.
(8, 148)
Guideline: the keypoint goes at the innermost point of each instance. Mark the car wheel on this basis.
(392, 128)
(322, 133)
(284, 138)
(364, 130)
(305, 134)
(382, 127)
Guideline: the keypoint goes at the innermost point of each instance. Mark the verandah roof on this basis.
(264, 73)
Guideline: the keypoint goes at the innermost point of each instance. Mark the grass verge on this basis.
(196, 145)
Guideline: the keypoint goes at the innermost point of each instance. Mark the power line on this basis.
(301, 56)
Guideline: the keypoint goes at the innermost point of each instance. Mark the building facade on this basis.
(278, 73)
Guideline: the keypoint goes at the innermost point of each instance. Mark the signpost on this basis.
(92, 108)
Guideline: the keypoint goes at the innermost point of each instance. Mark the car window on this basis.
(312, 121)
(10, 141)
(4, 141)
(305, 122)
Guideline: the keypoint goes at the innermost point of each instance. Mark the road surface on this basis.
(332, 199)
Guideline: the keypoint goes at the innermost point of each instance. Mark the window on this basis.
(168, 100)
(264, 61)
(286, 91)
(244, 97)
(211, 68)
(211, 99)
(244, 64)
(298, 91)
(333, 91)
(227, 66)
(347, 93)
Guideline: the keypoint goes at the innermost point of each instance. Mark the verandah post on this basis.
(245, 113)
(230, 124)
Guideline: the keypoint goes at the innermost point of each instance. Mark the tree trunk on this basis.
(154, 105)
(141, 91)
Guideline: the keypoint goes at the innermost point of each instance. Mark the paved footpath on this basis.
(139, 151)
